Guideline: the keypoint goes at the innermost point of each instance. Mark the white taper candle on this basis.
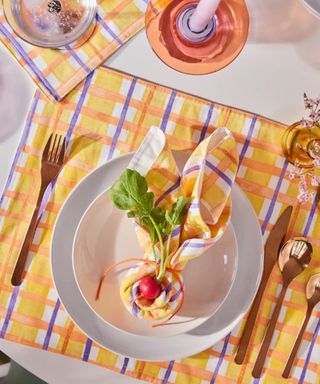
(203, 13)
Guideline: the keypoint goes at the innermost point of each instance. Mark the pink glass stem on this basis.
(205, 10)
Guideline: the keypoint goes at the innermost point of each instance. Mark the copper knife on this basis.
(271, 250)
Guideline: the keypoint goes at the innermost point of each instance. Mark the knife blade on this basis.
(272, 246)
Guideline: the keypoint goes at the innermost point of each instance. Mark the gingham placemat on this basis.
(58, 71)
(104, 117)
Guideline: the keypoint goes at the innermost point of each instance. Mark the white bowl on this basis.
(105, 236)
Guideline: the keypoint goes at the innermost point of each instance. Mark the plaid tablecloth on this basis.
(58, 71)
(108, 115)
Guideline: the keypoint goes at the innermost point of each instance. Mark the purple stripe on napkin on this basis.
(168, 191)
(219, 173)
(134, 292)
(22, 143)
(108, 29)
(51, 323)
(176, 295)
(190, 244)
(87, 350)
(176, 231)
(77, 59)
(168, 288)
(191, 169)
(206, 124)
(274, 198)
(12, 303)
(248, 138)
(122, 118)
(135, 309)
(167, 111)
(79, 106)
(223, 352)
(310, 217)
(125, 364)
(306, 363)
(31, 64)
(168, 372)
(194, 204)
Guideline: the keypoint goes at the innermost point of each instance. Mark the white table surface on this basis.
(280, 62)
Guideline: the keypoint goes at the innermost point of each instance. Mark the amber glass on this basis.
(301, 145)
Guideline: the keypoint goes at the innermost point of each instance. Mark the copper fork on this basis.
(51, 164)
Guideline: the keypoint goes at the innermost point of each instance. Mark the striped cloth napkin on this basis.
(58, 71)
(206, 179)
(99, 128)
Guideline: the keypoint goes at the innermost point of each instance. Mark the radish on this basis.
(149, 288)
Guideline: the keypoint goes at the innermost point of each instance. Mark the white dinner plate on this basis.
(250, 263)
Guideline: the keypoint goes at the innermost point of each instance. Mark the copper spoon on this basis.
(294, 257)
(313, 298)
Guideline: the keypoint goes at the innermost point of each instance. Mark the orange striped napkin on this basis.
(58, 71)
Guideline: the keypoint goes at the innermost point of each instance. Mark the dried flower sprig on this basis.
(308, 180)
(313, 108)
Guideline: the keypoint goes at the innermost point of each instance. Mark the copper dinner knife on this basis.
(271, 250)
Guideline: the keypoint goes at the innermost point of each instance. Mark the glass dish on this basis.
(51, 23)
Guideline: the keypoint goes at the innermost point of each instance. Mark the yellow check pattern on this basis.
(107, 115)
(58, 71)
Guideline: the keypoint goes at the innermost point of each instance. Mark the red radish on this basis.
(149, 287)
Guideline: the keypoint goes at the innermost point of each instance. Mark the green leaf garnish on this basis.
(130, 193)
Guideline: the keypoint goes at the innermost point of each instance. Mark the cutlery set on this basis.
(293, 258)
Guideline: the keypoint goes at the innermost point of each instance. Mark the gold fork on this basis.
(51, 164)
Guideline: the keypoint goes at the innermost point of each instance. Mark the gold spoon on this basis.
(313, 298)
(294, 257)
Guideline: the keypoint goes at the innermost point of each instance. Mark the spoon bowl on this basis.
(294, 257)
(313, 289)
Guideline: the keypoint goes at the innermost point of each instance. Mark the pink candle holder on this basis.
(196, 52)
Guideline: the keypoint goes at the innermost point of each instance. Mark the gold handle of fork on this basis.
(18, 273)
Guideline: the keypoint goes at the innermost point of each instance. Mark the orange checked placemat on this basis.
(58, 71)
(108, 115)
